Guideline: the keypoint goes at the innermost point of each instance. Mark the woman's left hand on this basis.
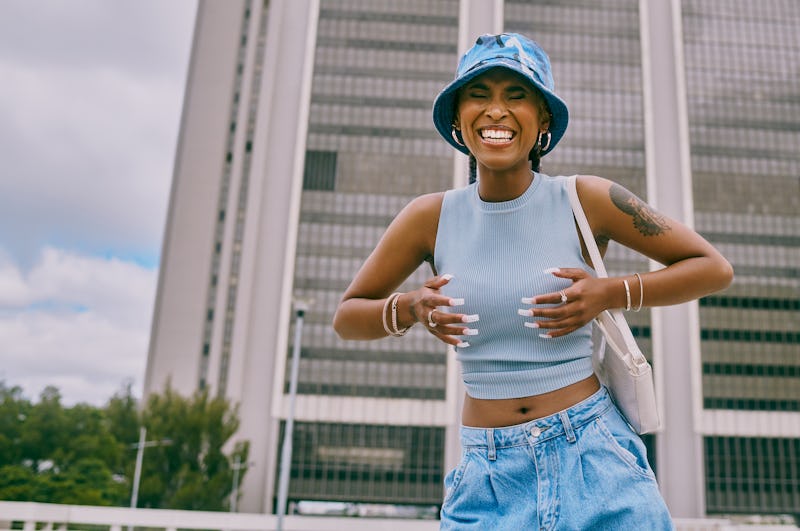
(569, 309)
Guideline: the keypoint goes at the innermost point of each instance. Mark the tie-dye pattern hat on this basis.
(508, 50)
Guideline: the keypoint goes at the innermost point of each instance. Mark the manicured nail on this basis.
(550, 270)
(456, 302)
(470, 318)
(545, 336)
(525, 313)
(530, 324)
(463, 344)
(447, 276)
(469, 332)
(528, 300)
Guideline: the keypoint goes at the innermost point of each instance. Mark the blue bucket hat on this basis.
(508, 50)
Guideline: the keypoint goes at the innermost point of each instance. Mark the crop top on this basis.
(497, 253)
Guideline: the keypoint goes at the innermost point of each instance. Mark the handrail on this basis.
(56, 517)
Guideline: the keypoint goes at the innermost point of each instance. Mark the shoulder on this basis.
(420, 216)
(425, 206)
(592, 187)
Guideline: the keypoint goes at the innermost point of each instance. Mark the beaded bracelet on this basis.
(394, 331)
(397, 331)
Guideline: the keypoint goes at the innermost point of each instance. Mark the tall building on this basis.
(306, 127)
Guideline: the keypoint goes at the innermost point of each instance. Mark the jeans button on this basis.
(536, 431)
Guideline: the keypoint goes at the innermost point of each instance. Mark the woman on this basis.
(544, 446)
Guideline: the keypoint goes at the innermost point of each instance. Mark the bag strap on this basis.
(583, 225)
(618, 319)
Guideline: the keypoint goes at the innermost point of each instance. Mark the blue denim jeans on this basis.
(580, 469)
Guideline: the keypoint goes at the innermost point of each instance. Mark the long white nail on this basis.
(530, 324)
(550, 270)
(525, 313)
(463, 344)
(545, 336)
(470, 332)
(470, 318)
(447, 276)
(527, 300)
(456, 302)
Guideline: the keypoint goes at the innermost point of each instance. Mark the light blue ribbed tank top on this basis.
(497, 254)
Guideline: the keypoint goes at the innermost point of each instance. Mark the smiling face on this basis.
(500, 115)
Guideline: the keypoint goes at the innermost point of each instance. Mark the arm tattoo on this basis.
(646, 220)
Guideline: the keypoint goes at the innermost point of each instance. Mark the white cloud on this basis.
(79, 323)
(89, 117)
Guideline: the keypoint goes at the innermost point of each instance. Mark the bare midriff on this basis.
(497, 413)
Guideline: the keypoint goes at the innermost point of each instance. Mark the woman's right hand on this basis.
(425, 307)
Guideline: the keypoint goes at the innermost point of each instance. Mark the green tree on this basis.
(194, 471)
(14, 410)
(84, 455)
(17, 483)
(54, 454)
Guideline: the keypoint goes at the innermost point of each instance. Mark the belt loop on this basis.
(567, 426)
(490, 441)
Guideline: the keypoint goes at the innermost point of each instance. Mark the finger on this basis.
(552, 334)
(438, 282)
(548, 298)
(450, 339)
(441, 324)
(438, 317)
(571, 273)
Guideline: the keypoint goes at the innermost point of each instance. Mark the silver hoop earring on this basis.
(547, 145)
(455, 137)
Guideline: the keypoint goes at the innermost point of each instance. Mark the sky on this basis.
(90, 103)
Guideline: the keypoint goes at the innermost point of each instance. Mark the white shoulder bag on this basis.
(616, 357)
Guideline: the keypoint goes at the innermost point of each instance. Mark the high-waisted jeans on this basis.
(580, 469)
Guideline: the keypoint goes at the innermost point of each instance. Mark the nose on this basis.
(496, 109)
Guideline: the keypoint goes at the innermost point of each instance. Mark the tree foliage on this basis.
(86, 455)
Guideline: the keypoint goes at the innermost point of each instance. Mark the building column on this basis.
(266, 279)
(475, 18)
(675, 329)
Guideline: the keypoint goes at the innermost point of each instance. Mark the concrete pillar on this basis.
(476, 17)
(266, 279)
(676, 331)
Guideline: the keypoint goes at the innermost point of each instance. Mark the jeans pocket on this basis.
(453, 479)
(624, 443)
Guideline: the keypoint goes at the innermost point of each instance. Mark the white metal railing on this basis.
(53, 517)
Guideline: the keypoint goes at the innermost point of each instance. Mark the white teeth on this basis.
(496, 134)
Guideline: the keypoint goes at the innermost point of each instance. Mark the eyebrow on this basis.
(481, 86)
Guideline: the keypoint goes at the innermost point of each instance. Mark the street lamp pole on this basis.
(237, 466)
(300, 308)
(137, 472)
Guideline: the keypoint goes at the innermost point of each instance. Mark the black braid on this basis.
(473, 169)
(534, 157)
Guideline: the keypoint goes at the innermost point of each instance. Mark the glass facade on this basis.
(368, 464)
(742, 64)
(371, 148)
